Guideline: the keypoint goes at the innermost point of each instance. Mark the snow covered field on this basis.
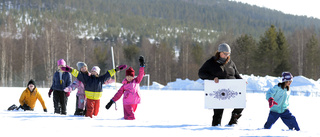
(169, 113)
(161, 113)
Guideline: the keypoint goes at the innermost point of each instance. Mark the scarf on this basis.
(222, 60)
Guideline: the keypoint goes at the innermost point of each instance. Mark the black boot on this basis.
(216, 121)
(217, 116)
(13, 107)
(79, 112)
(234, 119)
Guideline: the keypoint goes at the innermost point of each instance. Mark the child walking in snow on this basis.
(130, 89)
(93, 85)
(81, 97)
(61, 80)
(278, 98)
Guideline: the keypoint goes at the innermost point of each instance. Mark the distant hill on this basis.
(204, 19)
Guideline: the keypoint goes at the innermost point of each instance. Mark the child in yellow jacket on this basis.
(29, 97)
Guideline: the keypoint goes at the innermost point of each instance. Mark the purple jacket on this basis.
(79, 85)
(130, 90)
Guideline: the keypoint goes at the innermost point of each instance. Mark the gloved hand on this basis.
(272, 102)
(67, 89)
(67, 94)
(45, 110)
(50, 92)
(141, 61)
(66, 68)
(109, 104)
(121, 67)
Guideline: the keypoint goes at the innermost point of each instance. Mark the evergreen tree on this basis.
(266, 56)
(243, 53)
(312, 58)
(283, 54)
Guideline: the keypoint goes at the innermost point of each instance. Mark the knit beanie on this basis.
(224, 47)
(286, 76)
(80, 65)
(130, 72)
(32, 82)
(96, 69)
(61, 62)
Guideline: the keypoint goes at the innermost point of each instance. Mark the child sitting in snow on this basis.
(278, 98)
(29, 97)
(130, 89)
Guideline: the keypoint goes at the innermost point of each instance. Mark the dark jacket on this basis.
(211, 69)
(92, 84)
(60, 85)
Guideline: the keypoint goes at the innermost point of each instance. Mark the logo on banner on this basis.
(224, 94)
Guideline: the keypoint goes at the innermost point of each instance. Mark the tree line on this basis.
(37, 33)
(31, 57)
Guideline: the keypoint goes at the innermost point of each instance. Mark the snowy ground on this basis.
(161, 113)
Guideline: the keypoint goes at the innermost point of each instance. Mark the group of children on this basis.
(89, 85)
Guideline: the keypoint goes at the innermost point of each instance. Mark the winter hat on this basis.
(130, 72)
(224, 47)
(286, 76)
(81, 64)
(61, 62)
(32, 82)
(96, 69)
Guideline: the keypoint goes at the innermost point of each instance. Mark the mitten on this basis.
(141, 61)
(66, 68)
(272, 102)
(67, 94)
(121, 67)
(45, 110)
(109, 104)
(50, 92)
(67, 89)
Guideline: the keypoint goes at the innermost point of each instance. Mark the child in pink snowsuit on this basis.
(130, 90)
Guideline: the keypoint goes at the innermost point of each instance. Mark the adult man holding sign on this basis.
(218, 67)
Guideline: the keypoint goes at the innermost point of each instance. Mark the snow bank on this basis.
(301, 85)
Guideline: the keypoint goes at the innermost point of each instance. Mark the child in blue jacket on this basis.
(61, 80)
(278, 98)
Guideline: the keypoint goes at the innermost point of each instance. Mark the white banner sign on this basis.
(228, 93)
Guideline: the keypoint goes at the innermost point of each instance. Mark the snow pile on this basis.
(186, 84)
(256, 84)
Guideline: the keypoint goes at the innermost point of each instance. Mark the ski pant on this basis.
(129, 110)
(286, 117)
(60, 102)
(92, 107)
(80, 105)
(217, 115)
